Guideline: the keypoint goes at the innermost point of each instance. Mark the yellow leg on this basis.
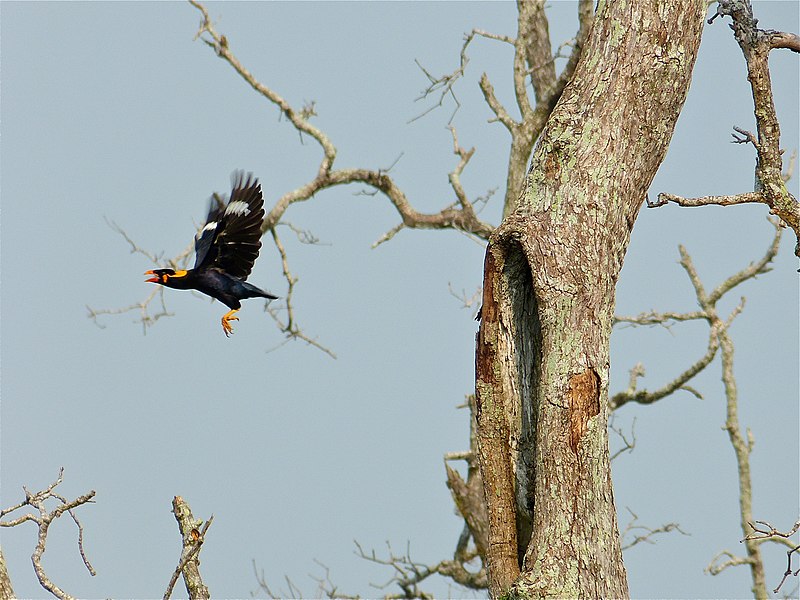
(226, 318)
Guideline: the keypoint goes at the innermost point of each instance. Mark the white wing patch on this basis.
(209, 227)
(237, 208)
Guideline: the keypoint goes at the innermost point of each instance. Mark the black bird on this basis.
(225, 250)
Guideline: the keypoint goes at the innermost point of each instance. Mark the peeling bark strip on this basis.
(584, 403)
(493, 432)
(488, 309)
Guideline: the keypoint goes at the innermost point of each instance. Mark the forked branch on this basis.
(44, 518)
(459, 214)
(634, 533)
(771, 190)
(326, 176)
(287, 323)
(765, 532)
(708, 312)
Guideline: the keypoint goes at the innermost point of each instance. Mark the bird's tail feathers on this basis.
(255, 292)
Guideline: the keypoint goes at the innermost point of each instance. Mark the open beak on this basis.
(152, 279)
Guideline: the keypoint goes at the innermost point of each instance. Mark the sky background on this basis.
(110, 111)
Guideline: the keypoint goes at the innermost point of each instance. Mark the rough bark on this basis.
(193, 533)
(6, 589)
(542, 358)
(533, 54)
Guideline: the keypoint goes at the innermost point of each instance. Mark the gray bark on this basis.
(542, 359)
(6, 589)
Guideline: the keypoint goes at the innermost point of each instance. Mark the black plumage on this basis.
(225, 250)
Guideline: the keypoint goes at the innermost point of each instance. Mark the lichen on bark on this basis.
(542, 356)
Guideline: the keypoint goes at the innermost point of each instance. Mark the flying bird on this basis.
(225, 250)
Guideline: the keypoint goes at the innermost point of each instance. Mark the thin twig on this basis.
(444, 84)
(649, 534)
(788, 568)
(289, 326)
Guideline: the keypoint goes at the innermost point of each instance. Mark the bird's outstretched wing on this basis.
(231, 237)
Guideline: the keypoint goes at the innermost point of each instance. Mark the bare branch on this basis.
(409, 573)
(304, 236)
(628, 441)
(472, 302)
(746, 198)
(326, 587)
(742, 446)
(769, 532)
(759, 267)
(525, 133)
(533, 48)
(780, 39)
(135, 249)
(585, 22)
(193, 536)
(219, 43)
(82, 552)
(648, 534)
(290, 326)
(746, 137)
(725, 200)
(659, 318)
(533, 45)
(679, 383)
(467, 568)
(145, 317)
(447, 218)
(326, 176)
(707, 303)
(467, 207)
(444, 83)
(770, 185)
(789, 171)
(788, 568)
(469, 501)
(497, 108)
(388, 235)
(455, 174)
(43, 520)
(193, 552)
(717, 566)
(765, 532)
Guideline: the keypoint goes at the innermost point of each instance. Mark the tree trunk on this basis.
(542, 357)
(6, 589)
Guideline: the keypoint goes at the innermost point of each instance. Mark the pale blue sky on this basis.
(111, 110)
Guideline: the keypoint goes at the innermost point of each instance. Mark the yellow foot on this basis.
(226, 319)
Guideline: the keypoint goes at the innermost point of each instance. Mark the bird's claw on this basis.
(226, 326)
